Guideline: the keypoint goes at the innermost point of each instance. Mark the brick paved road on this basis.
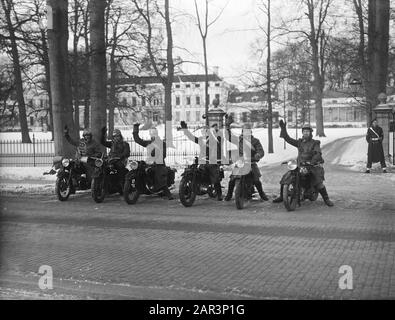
(159, 249)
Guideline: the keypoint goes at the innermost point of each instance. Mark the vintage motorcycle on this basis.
(141, 180)
(106, 179)
(70, 176)
(196, 181)
(244, 186)
(297, 184)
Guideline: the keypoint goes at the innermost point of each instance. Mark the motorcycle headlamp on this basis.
(98, 163)
(292, 165)
(65, 162)
(133, 164)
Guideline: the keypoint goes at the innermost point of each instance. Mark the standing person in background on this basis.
(375, 137)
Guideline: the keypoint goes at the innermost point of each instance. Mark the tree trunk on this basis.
(113, 76)
(7, 6)
(207, 102)
(76, 83)
(169, 78)
(269, 90)
(60, 79)
(98, 70)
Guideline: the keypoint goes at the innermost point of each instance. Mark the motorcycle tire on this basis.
(239, 194)
(98, 189)
(314, 196)
(130, 193)
(186, 192)
(289, 198)
(62, 189)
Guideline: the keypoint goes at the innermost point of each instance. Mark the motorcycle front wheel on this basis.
(130, 192)
(239, 194)
(98, 189)
(289, 197)
(62, 188)
(186, 192)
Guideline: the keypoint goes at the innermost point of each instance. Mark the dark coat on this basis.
(375, 147)
(91, 149)
(308, 151)
(117, 149)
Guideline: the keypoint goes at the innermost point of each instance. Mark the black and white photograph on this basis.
(205, 152)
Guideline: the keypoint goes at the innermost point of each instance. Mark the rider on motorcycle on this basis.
(156, 153)
(309, 150)
(86, 146)
(119, 149)
(208, 155)
(257, 153)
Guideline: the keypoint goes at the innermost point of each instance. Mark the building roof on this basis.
(247, 96)
(143, 80)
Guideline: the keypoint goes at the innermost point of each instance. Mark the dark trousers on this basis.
(382, 163)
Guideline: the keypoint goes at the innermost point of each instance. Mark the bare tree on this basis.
(98, 67)
(60, 73)
(8, 8)
(204, 25)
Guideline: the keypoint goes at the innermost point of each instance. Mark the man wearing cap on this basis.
(257, 153)
(118, 149)
(374, 138)
(86, 146)
(156, 153)
(210, 153)
(309, 150)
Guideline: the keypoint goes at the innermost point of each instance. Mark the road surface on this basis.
(157, 249)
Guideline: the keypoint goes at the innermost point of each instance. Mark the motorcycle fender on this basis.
(63, 174)
(288, 178)
(97, 172)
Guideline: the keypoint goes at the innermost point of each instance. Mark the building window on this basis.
(143, 101)
(177, 86)
(188, 101)
(198, 100)
(238, 99)
(188, 85)
(188, 116)
(217, 97)
(197, 85)
(134, 101)
(289, 115)
(31, 121)
(155, 117)
(208, 98)
(177, 101)
(198, 116)
(217, 84)
(177, 116)
(254, 99)
(289, 95)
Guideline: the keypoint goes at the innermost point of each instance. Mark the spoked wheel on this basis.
(239, 194)
(98, 189)
(62, 188)
(130, 192)
(290, 197)
(186, 192)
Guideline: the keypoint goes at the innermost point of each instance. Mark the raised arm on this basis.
(189, 134)
(137, 138)
(285, 136)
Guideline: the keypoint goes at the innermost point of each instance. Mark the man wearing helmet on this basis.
(210, 153)
(86, 146)
(118, 149)
(156, 153)
(247, 139)
(309, 150)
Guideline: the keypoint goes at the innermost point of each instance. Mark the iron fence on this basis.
(39, 153)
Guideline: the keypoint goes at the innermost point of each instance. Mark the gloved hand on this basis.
(136, 127)
(66, 130)
(183, 125)
(282, 124)
(257, 157)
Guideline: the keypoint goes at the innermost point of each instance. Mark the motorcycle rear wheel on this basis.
(239, 196)
(98, 189)
(130, 193)
(186, 192)
(289, 197)
(62, 189)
